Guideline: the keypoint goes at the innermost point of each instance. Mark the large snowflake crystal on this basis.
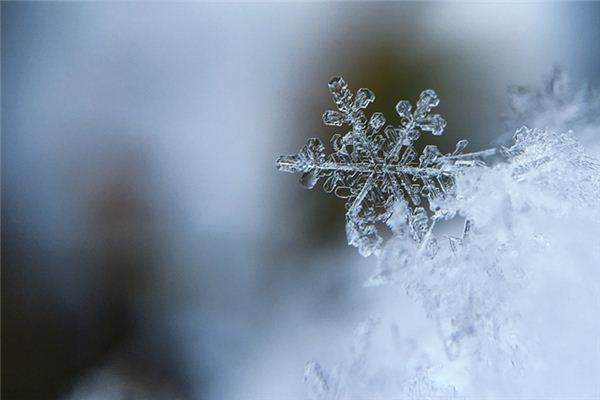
(375, 167)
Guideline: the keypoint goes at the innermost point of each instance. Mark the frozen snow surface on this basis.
(512, 297)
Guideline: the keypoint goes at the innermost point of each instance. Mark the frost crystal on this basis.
(555, 161)
(375, 167)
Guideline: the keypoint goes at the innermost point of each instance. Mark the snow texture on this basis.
(513, 298)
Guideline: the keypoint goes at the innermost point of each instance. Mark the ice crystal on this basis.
(555, 160)
(374, 167)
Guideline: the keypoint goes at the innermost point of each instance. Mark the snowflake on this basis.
(375, 167)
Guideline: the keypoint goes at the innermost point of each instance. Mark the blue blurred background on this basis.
(150, 249)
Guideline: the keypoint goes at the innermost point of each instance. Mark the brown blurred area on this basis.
(47, 348)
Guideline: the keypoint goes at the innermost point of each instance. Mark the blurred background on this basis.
(150, 249)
